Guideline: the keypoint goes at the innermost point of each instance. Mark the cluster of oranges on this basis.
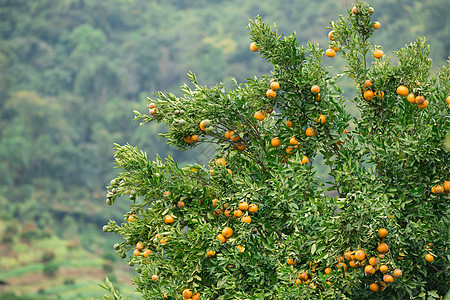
(237, 213)
(234, 137)
(191, 139)
(272, 92)
(369, 93)
(419, 100)
(152, 109)
(304, 278)
(444, 188)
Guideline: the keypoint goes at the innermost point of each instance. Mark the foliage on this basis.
(385, 165)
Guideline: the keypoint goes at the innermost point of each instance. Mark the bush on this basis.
(257, 222)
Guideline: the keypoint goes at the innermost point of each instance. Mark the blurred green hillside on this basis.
(72, 71)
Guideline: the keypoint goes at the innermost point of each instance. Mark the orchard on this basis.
(257, 222)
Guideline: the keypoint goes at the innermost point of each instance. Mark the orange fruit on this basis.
(132, 217)
(246, 219)
(196, 296)
(330, 53)
(303, 276)
(438, 189)
(423, 105)
(243, 205)
(368, 95)
(332, 35)
(378, 53)
(274, 85)
(353, 264)
(374, 287)
(382, 233)
(360, 255)
(384, 269)
(298, 281)
(341, 258)
(166, 194)
(342, 265)
(401, 256)
(305, 160)
(240, 147)
(321, 119)
(419, 99)
(187, 294)
(194, 138)
(310, 132)
(429, 258)
(293, 141)
(252, 208)
(411, 98)
(259, 115)
(291, 262)
(188, 140)
(388, 278)
(240, 248)
(221, 161)
(398, 273)
(227, 213)
(155, 277)
(140, 246)
(271, 94)
(369, 270)
(235, 137)
(289, 150)
(215, 202)
(136, 252)
(147, 252)
(151, 105)
(367, 83)
(446, 186)
(402, 91)
(228, 134)
(348, 255)
(221, 238)
(169, 219)
(355, 10)
(253, 47)
(153, 111)
(335, 48)
(327, 270)
(376, 25)
(383, 248)
(237, 213)
(275, 142)
(180, 204)
(210, 253)
(289, 124)
(227, 232)
(315, 89)
(379, 94)
(318, 97)
(374, 261)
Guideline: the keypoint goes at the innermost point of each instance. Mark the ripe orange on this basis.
(419, 99)
(246, 219)
(315, 89)
(259, 115)
(289, 124)
(423, 105)
(332, 35)
(318, 97)
(235, 137)
(227, 232)
(152, 105)
(382, 233)
(378, 53)
(237, 213)
(153, 111)
(429, 258)
(196, 296)
(180, 204)
(155, 277)
(376, 25)
(327, 270)
(330, 53)
(291, 262)
(132, 217)
(147, 252)
(353, 264)
(367, 83)
(187, 294)
(136, 252)
(310, 132)
(252, 208)
(210, 253)
(360, 255)
(369, 270)
(411, 98)
(305, 160)
(388, 278)
(166, 194)
(221, 238)
(169, 219)
(348, 255)
(228, 134)
(243, 205)
(374, 287)
(379, 94)
(194, 138)
(374, 261)
(342, 265)
(215, 202)
(437, 189)
(188, 140)
(289, 150)
(293, 141)
(303, 276)
(298, 281)
(240, 147)
(321, 119)
(368, 95)
(140, 246)
(271, 94)
(448, 100)
(398, 273)
(384, 269)
(274, 85)
(275, 142)
(355, 10)
(403, 91)
(221, 161)
(253, 47)
(383, 248)
(240, 248)
(446, 186)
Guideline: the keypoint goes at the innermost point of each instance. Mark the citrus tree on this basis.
(256, 222)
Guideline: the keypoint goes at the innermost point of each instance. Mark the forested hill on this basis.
(71, 71)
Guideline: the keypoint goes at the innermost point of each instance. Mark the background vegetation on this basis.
(72, 71)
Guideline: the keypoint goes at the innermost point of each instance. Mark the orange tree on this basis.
(256, 222)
